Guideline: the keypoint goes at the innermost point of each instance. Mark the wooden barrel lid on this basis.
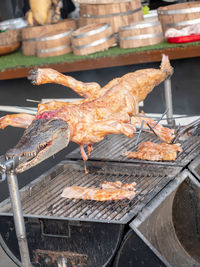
(38, 31)
(92, 38)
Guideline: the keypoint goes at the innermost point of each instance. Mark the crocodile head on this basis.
(42, 139)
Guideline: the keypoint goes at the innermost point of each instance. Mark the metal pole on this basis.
(168, 101)
(18, 218)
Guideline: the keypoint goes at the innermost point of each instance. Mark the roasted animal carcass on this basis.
(43, 12)
(155, 152)
(111, 109)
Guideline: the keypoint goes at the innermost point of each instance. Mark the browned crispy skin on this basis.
(21, 120)
(104, 111)
(155, 152)
(109, 191)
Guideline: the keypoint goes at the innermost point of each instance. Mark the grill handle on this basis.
(49, 228)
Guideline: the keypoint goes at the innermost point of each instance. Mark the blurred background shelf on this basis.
(17, 65)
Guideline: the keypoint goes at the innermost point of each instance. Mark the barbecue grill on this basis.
(92, 233)
(159, 227)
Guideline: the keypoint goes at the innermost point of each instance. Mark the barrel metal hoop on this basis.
(140, 26)
(126, 13)
(49, 38)
(179, 11)
(182, 23)
(92, 32)
(54, 49)
(142, 36)
(95, 43)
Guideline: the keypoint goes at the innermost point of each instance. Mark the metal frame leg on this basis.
(168, 101)
(18, 218)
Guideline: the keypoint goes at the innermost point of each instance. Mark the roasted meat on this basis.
(107, 110)
(109, 191)
(155, 152)
(118, 184)
(43, 12)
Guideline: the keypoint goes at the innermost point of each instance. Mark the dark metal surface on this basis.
(194, 167)
(113, 146)
(43, 197)
(169, 224)
(80, 244)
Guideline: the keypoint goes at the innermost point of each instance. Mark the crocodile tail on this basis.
(165, 66)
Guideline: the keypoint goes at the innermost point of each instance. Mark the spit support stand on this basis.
(7, 170)
(168, 101)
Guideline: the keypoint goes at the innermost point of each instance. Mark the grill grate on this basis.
(113, 146)
(45, 200)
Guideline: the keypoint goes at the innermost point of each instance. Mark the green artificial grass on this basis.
(17, 59)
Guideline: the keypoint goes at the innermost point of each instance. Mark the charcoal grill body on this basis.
(121, 233)
(166, 231)
(53, 241)
(194, 167)
(83, 233)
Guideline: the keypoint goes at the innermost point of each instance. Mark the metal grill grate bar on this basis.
(34, 207)
(47, 200)
(112, 148)
(76, 205)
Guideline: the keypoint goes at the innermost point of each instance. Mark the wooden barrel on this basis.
(10, 37)
(92, 38)
(10, 41)
(140, 34)
(117, 14)
(179, 15)
(54, 44)
(32, 35)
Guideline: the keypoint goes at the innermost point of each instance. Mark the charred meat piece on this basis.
(155, 152)
(109, 191)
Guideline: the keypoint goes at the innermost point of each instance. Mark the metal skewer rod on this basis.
(160, 118)
(140, 131)
(168, 101)
(9, 166)
(152, 129)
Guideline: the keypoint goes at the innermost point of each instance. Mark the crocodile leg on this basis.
(20, 120)
(42, 76)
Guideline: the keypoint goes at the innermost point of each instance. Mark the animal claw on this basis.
(33, 74)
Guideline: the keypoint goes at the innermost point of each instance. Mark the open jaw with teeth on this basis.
(42, 139)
